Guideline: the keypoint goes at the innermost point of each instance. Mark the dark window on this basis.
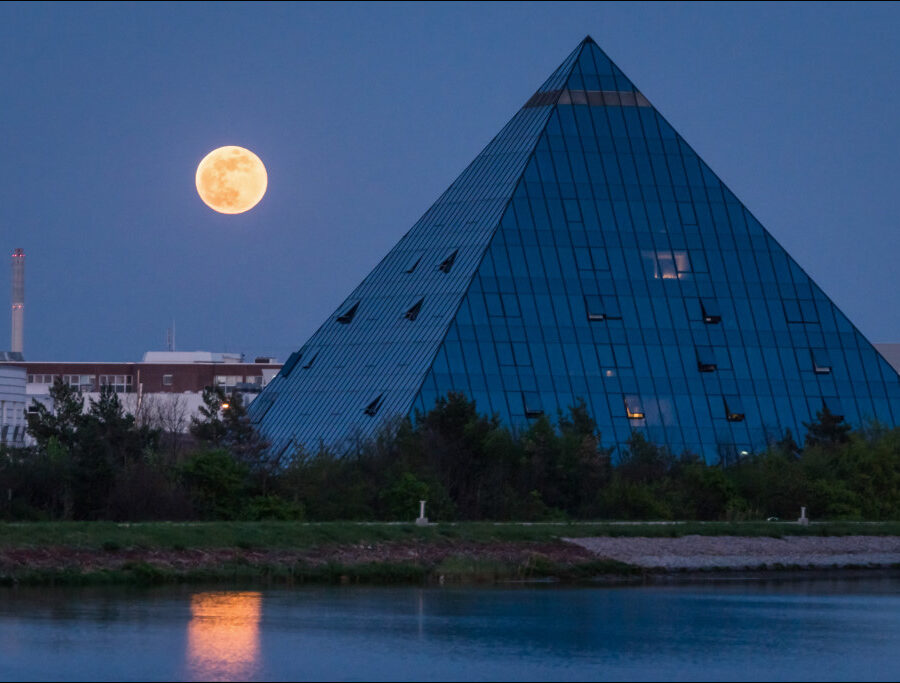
(800, 311)
(706, 359)
(834, 407)
(532, 403)
(312, 360)
(373, 407)
(413, 312)
(290, 363)
(734, 409)
(347, 316)
(821, 361)
(602, 308)
(447, 263)
(633, 408)
(167, 380)
(710, 310)
(413, 262)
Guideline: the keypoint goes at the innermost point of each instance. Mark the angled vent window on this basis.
(447, 263)
(706, 359)
(532, 402)
(346, 317)
(310, 362)
(602, 308)
(373, 407)
(710, 311)
(413, 312)
(634, 408)
(734, 409)
(821, 361)
(289, 364)
(413, 262)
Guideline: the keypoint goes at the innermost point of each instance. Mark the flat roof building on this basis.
(587, 253)
(160, 378)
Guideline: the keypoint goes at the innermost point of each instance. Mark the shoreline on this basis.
(598, 561)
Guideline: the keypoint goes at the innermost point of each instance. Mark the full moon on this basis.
(231, 179)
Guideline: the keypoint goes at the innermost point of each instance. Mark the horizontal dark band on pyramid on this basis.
(591, 98)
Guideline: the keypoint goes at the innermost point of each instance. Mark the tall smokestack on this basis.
(18, 301)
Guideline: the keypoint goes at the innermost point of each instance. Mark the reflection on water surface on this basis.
(223, 635)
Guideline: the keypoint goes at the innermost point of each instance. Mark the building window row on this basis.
(121, 384)
(41, 379)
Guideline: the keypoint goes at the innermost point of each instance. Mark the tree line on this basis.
(105, 463)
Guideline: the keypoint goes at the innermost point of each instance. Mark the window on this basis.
(821, 361)
(413, 262)
(710, 311)
(734, 409)
(532, 403)
(447, 263)
(667, 265)
(347, 316)
(310, 362)
(602, 308)
(83, 383)
(706, 359)
(633, 408)
(120, 384)
(289, 364)
(167, 380)
(228, 383)
(413, 312)
(373, 407)
(800, 311)
(833, 405)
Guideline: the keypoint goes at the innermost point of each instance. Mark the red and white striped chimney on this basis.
(17, 335)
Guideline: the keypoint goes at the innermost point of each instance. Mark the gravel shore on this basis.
(735, 552)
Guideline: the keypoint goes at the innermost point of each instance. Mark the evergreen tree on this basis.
(827, 429)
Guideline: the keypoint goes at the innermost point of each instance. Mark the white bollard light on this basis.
(422, 520)
(804, 520)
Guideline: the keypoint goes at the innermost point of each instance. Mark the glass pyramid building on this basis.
(586, 253)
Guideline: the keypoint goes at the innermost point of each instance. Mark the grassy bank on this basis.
(79, 553)
(299, 535)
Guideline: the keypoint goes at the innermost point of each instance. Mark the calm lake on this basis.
(847, 629)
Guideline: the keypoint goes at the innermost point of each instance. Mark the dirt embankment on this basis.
(736, 552)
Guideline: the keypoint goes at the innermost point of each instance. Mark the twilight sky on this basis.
(363, 115)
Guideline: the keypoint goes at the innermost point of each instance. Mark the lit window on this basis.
(373, 407)
(447, 263)
(532, 402)
(602, 308)
(413, 262)
(347, 316)
(706, 359)
(633, 408)
(821, 361)
(289, 364)
(734, 409)
(413, 312)
(710, 311)
(667, 265)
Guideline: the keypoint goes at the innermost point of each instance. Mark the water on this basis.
(749, 630)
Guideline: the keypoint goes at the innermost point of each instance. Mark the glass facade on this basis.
(586, 253)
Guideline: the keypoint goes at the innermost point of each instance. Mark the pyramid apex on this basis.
(588, 40)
